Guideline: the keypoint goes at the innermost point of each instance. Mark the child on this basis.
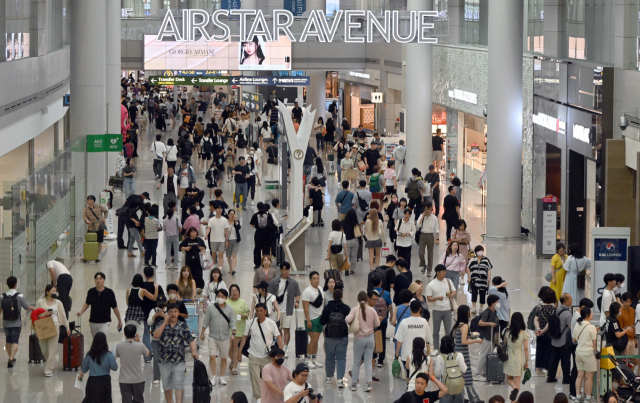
(230, 161)
(479, 272)
(375, 180)
(151, 228)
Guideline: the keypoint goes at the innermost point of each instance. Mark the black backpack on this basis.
(207, 146)
(133, 135)
(10, 307)
(474, 326)
(382, 272)
(242, 141)
(362, 203)
(200, 376)
(554, 326)
(336, 327)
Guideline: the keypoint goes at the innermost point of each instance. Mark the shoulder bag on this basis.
(225, 316)
(102, 226)
(354, 326)
(452, 301)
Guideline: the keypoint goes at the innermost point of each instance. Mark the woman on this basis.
(610, 397)
(541, 320)
(316, 200)
(329, 287)
(455, 263)
(479, 275)
(390, 181)
(264, 297)
(585, 335)
(347, 170)
(364, 341)
(241, 309)
(463, 238)
(135, 315)
(99, 362)
(265, 134)
(614, 331)
(172, 229)
(349, 225)
(499, 288)
(341, 152)
(239, 397)
(418, 286)
(376, 238)
(193, 246)
(449, 358)
(234, 242)
(212, 286)
(186, 285)
(526, 397)
(337, 246)
(331, 130)
(265, 272)
(128, 173)
(193, 221)
(253, 177)
(560, 398)
(252, 54)
(462, 342)
(575, 264)
(405, 234)
(558, 272)
(418, 361)
(319, 130)
(329, 140)
(517, 343)
(54, 308)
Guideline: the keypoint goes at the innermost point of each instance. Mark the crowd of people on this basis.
(433, 332)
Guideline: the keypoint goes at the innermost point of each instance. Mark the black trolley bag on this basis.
(301, 339)
(495, 366)
(201, 386)
(35, 352)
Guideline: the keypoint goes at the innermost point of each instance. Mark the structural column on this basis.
(418, 101)
(88, 72)
(316, 92)
(113, 74)
(504, 120)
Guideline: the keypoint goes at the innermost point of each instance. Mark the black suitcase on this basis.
(201, 385)
(202, 394)
(280, 254)
(495, 367)
(35, 353)
(301, 340)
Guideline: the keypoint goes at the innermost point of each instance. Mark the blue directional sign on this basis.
(297, 7)
(230, 5)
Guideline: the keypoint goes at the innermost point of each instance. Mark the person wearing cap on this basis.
(264, 297)
(274, 378)
(262, 331)
(336, 337)
(287, 292)
(297, 391)
(432, 180)
(410, 328)
(220, 318)
(417, 289)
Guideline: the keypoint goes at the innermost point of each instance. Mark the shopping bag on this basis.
(362, 166)
(379, 341)
(395, 368)
(45, 328)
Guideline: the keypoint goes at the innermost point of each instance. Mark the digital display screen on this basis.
(201, 55)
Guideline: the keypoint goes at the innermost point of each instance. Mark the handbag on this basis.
(362, 166)
(582, 277)
(62, 335)
(346, 265)
(453, 301)
(357, 232)
(548, 277)
(354, 326)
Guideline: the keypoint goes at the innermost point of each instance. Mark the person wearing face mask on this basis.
(220, 319)
(54, 308)
(274, 378)
(172, 295)
(488, 321)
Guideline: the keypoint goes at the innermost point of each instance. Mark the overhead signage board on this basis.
(251, 101)
(376, 97)
(97, 143)
(206, 73)
(188, 80)
(230, 4)
(233, 80)
(296, 7)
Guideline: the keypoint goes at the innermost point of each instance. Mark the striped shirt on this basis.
(479, 268)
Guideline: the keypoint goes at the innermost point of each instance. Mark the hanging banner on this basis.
(296, 7)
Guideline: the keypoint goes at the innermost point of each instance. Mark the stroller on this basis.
(622, 373)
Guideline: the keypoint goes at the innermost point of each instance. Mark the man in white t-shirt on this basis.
(410, 328)
(218, 234)
(287, 292)
(439, 292)
(258, 349)
(61, 278)
(313, 304)
(607, 297)
(158, 149)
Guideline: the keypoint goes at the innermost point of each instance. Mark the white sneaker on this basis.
(252, 203)
(310, 364)
(223, 381)
(258, 400)
(286, 352)
(156, 382)
(327, 380)
(479, 378)
(367, 387)
(341, 383)
(316, 364)
(354, 386)
(213, 380)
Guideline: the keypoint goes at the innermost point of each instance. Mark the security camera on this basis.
(623, 123)
(484, 112)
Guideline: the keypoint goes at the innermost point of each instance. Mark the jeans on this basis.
(146, 339)
(157, 167)
(352, 254)
(132, 392)
(306, 170)
(155, 345)
(134, 234)
(129, 187)
(242, 189)
(437, 317)
(454, 276)
(560, 355)
(416, 206)
(150, 251)
(427, 241)
(172, 240)
(339, 170)
(336, 350)
(64, 284)
(459, 398)
(319, 144)
(363, 350)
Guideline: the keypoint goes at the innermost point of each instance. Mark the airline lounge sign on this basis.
(388, 26)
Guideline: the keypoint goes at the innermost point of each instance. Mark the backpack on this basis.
(452, 375)
(531, 325)
(474, 326)
(374, 183)
(555, 332)
(381, 307)
(151, 103)
(412, 189)
(336, 327)
(163, 109)
(242, 141)
(336, 275)
(382, 272)
(207, 145)
(362, 204)
(10, 307)
(200, 376)
(262, 220)
(133, 135)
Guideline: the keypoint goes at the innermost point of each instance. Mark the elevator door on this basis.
(577, 214)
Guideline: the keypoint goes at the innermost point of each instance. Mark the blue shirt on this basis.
(345, 199)
(387, 299)
(402, 312)
(108, 363)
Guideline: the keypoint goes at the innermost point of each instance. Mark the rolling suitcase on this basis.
(35, 352)
(73, 350)
(91, 247)
(128, 150)
(280, 254)
(301, 340)
(201, 386)
(331, 167)
(495, 367)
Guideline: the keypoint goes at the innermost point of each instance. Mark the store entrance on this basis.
(553, 178)
(577, 217)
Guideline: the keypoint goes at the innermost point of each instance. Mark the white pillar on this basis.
(504, 120)
(113, 74)
(88, 71)
(316, 92)
(418, 101)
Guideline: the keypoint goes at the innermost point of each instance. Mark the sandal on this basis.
(352, 272)
(234, 372)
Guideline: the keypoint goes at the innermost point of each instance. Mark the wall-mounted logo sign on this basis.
(581, 133)
(361, 75)
(465, 96)
(298, 154)
(549, 122)
(376, 97)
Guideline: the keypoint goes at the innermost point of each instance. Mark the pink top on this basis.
(454, 262)
(193, 221)
(366, 325)
(462, 248)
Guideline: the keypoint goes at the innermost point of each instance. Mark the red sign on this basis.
(439, 119)
(549, 199)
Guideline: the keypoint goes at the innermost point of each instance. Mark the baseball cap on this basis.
(302, 367)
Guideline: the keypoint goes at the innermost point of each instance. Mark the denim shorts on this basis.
(172, 375)
(12, 334)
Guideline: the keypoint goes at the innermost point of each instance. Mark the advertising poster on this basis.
(610, 256)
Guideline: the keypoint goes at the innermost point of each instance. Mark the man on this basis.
(429, 230)
(101, 300)
(193, 106)
(398, 156)
(384, 309)
(607, 296)
(371, 158)
(386, 274)
(10, 304)
(275, 377)
(410, 328)
(488, 322)
(344, 200)
(241, 172)
(436, 142)
(432, 179)
(309, 161)
(202, 107)
(380, 144)
(439, 290)
(336, 336)
(262, 330)
(451, 213)
(220, 319)
(131, 371)
(272, 160)
(361, 202)
(158, 148)
(61, 278)
(617, 290)
(415, 190)
(174, 335)
(419, 395)
(170, 189)
(312, 304)
(172, 298)
(95, 215)
(406, 233)
(402, 281)
(218, 235)
(274, 117)
(361, 136)
(296, 125)
(287, 292)
(148, 304)
(187, 177)
(296, 112)
(560, 347)
(264, 223)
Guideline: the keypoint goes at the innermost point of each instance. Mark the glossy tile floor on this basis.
(514, 261)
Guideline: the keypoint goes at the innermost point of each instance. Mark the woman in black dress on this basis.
(194, 246)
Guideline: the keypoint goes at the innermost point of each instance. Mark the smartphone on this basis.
(49, 310)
